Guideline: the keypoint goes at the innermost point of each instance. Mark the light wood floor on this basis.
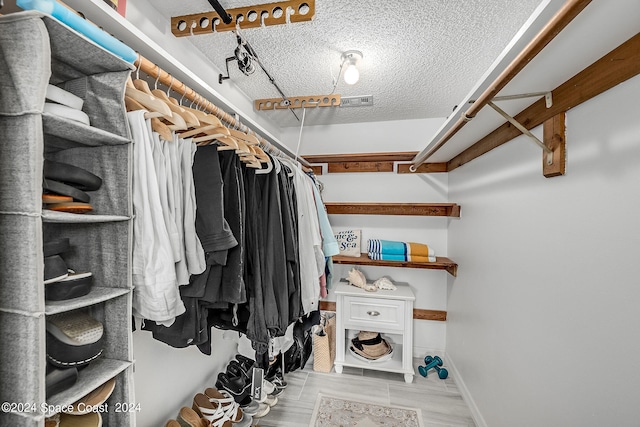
(439, 400)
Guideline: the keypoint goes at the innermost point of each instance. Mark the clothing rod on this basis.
(558, 22)
(154, 71)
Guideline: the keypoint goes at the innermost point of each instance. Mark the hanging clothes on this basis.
(155, 294)
(290, 227)
(194, 252)
(309, 239)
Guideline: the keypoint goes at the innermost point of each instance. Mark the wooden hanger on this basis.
(176, 121)
(249, 139)
(206, 130)
(150, 102)
(262, 158)
(161, 129)
(227, 143)
(136, 100)
(204, 118)
(190, 119)
(133, 105)
(260, 154)
(210, 134)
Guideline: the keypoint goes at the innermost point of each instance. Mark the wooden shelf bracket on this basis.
(262, 15)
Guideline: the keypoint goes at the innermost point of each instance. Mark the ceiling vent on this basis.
(356, 101)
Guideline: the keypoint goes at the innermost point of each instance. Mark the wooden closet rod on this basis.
(154, 71)
(560, 20)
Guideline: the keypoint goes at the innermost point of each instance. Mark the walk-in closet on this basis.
(218, 213)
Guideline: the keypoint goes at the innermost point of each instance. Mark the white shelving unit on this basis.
(387, 312)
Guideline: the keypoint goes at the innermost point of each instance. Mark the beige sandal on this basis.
(230, 407)
(187, 417)
(210, 411)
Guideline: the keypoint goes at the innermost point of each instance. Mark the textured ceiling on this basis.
(420, 57)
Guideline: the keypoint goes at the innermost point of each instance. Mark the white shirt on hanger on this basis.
(309, 239)
(155, 295)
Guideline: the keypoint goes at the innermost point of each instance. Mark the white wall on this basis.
(167, 378)
(543, 316)
(408, 135)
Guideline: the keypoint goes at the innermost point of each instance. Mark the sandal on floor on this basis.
(187, 417)
(210, 411)
(172, 423)
(230, 407)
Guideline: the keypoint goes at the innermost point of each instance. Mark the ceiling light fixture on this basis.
(351, 74)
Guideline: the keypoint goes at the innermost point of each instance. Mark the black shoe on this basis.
(274, 374)
(239, 389)
(59, 379)
(246, 361)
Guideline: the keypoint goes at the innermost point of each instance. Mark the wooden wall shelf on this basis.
(442, 263)
(418, 313)
(419, 209)
(372, 162)
(401, 156)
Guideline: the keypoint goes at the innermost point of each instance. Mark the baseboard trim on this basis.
(464, 392)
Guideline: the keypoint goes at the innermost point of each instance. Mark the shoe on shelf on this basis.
(55, 246)
(92, 419)
(172, 423)
(210, 411)
(55, 269)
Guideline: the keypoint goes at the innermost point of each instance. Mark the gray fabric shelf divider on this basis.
(65, 133)
(97, 295)
(97, 373)
(38, 50)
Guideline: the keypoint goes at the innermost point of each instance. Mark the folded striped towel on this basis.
(398, 257)
(390, 247)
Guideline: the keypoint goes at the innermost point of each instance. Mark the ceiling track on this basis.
(297, 102)
(263, 15)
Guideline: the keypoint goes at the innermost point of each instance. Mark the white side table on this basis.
(387, 312)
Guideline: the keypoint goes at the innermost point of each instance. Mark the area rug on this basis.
(341, 412)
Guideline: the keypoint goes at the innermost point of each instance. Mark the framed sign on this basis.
(349, 242)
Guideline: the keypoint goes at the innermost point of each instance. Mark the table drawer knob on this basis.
(373, 313)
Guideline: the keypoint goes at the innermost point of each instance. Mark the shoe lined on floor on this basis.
(274, 374)
(172, 423)
(230, 407)
(269, 400)
(241, 369)
(187, 417)
(239, 389)
(211, 411)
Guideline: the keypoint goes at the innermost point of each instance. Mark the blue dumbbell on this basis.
(431, 362)
(442, 372)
